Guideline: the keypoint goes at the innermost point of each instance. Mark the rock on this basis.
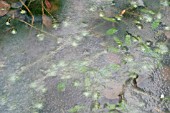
(113, 90)
(139, 2)
(17, 4)
(166, 73)
(113, 58)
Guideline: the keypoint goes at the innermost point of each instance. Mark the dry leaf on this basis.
(52, 7)
(167, 33)
(4, 8)
(48, 4)
(47, 21)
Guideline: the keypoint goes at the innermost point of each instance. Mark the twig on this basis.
(49, 13)
(9, 29)
(42, 6)
(30, 2)
(32, 21)
(158, 110)
(62, 111)
(36, 28)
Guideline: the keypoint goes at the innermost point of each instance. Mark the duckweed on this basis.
(128, 58)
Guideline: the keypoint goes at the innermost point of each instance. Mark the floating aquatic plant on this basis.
(155, 24)
(61, 86)
(75, 109)
(111, 31)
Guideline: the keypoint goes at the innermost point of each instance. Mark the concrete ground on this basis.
(70, 67)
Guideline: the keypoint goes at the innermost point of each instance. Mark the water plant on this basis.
(61, 86)
(130, 43)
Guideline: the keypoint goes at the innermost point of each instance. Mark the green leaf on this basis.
(95, 106)
(96, 95)
(111, 31)
(75, 109)
(148, 11)
(111, 106)
(105, 72)
(122, 105)
(137, 39)
(83, 69)
(145, 48)
(61, 86)
(76, 83)
(113, 67)
(118, 41)
(87, 82)
(128, 40)
(155, 24)
(166, 98)
(109, 19)
(113, 49)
